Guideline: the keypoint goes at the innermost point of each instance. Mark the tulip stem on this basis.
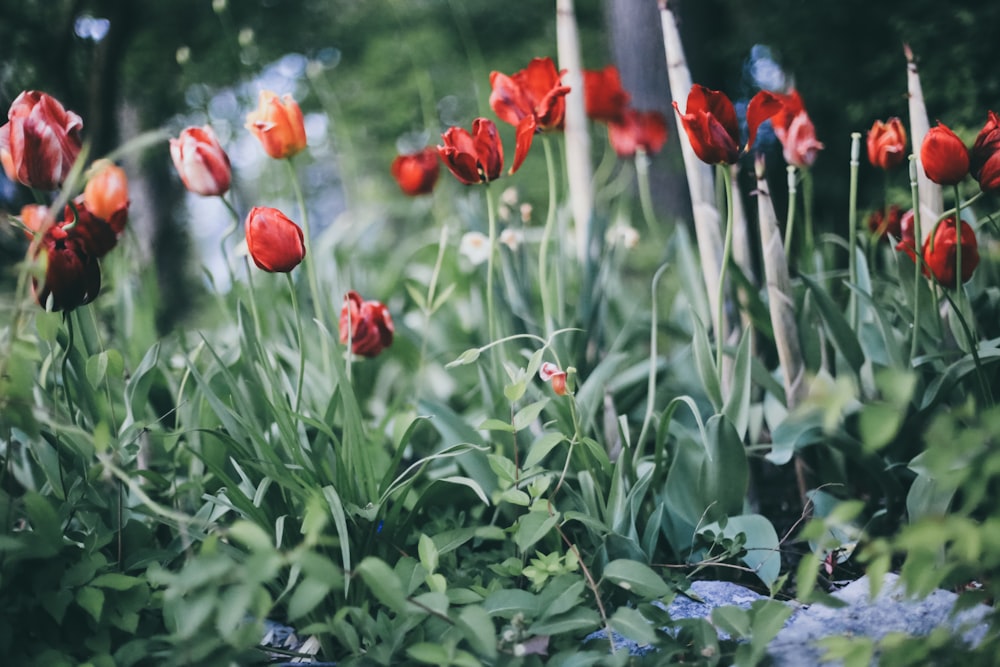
(311, 261)
(852, 262)
(727, 251)
(790, 219)
(543, 248)
(301, 342)
(918, 253)
(492, 223)
(645, 194)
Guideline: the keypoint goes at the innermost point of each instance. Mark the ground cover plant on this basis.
(529, 409)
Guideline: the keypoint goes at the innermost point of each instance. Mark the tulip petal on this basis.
(524, 135)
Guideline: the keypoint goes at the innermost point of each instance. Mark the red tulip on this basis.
(984, 158)
(278, 125)
(473, 158)
(882, 224)
(532, 100)
(796, 132)
(367, 324)
(416, 173)
(275, 243)
(97, 235)
(107, 190)
(550, 372)
(72, 275)
(638, 129)
(944, 156)
(41, 141)
(907, 240)
(887, 143)
(603, 95)
(711, 124)
(940, 252)
(200, 161)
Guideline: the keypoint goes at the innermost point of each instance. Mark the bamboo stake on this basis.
(699, 174)
(579, 170)
(931, 197)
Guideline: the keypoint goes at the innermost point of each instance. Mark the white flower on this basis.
(623, 235)
(475, 246)
(512, 238)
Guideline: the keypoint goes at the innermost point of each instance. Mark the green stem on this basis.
(543, 248)
(645, 195)
(790, 219)
(301, 342)
(918, 250)
(958, 246)
(651, 379)
(852, 263)
(429, 307)
(727, 251)
(318, 309)
(492, 223)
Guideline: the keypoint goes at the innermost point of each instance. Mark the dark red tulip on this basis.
(711, 124)
(882, 223)
(603, 96)
(638, 129)
(366, 324)
(41, 141)
(72, 275)
(940, 252)
(275, 243)
(532, 100)
(416, 173)
(984, 158)
(943, 156)
(886, 143)
(473, 158)
(98, 235)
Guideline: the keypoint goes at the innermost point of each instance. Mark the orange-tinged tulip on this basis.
(984, 158)
(603, 96)
(940, 252)
(638, 129)
(943, 156)
(41, 141)
(887, 143)
(278, 124)
(107, 190)
(275, 243)
(417, 173)
(476, 157)
(532, 100)
(366, 324)
(200, 161)
(710, 122)
(35, 218)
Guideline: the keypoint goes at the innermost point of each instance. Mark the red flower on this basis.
(98, 235)
(940, 256)
(72, 275)
(795, 131)
(711, 124)
(202, 164)
(551, 372)
(416, 173)
(638, 129)
(532, 100)
(275, 243)
(41, 141)
(887, 143)
(367, 324)
(944, 156)
(107, 190)
(603, 95)
(278, 124)
(882, 224)
(984, 158)
(907, 240)
(473, 158)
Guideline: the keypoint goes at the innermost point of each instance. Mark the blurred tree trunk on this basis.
(637, 50)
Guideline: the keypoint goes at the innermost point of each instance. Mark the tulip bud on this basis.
(984, 157)
(944, 156)
(366, 324)
(886, 143)
(200, 161)
(275, 243)
(278, 125)
(107, 190)
(416, 173)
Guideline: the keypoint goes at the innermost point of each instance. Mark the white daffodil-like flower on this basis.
(512, 238)
(475, 246)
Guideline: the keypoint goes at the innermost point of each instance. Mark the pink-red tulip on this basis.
(417, 173)
(886, 143)
(638, 129)
(278, 125)
(532, 100)
(603, 96)
(710, 122)
(984, 158)
(366, 324)
(200, 161)
(275, 243)
(473, 158)
(940, 252)
(40, 141)
(943, 156)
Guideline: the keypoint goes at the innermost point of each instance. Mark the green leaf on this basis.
(532, 527)
(725, 471)
(529, 413)
(48, 323)
(541, 448)
(91, 600)
(116, 581)
(732, 620)
(493, 424)
(309, 593)
(429, 653)
(636, 577)
(577, 620)
(632, 624)
(879, 423)
(478, 629)
(507, 602)
(762, 549)
(383, 582)
(844, 338)
(705, 364)
(44, 522)
(737, 407)
(467, 357)
(428, 553)
(252, 536)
